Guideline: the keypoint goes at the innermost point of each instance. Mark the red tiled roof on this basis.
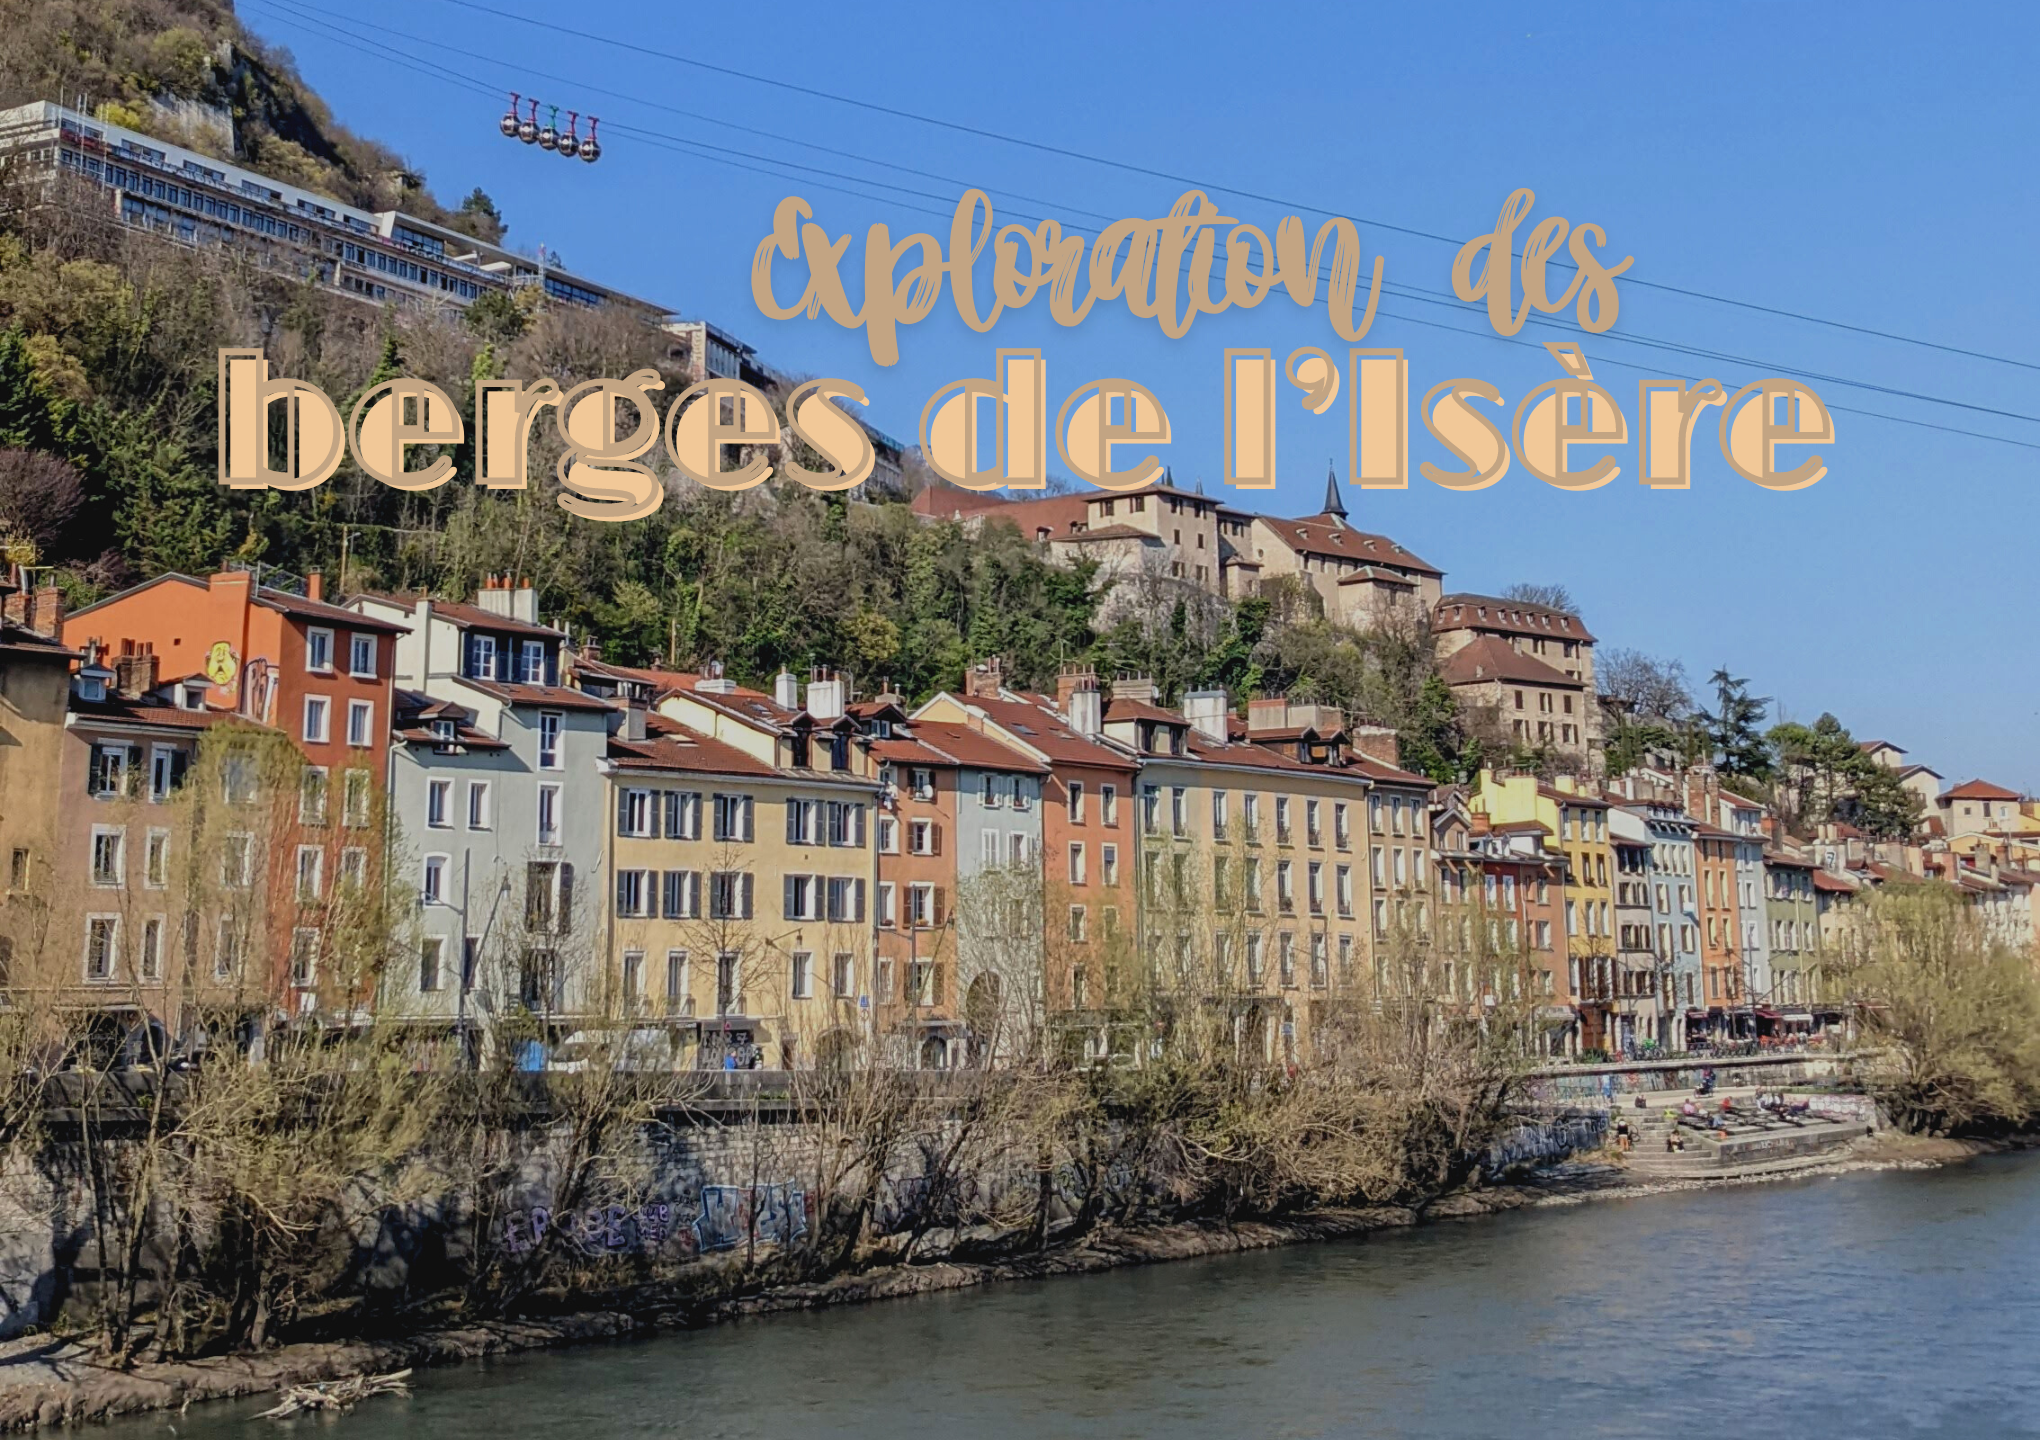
(152, 712)
(476, 618)
(1779, 857)
(1507, 617)
(1979, 790)
(552, 697)
(1316, 535)
(1104, 532)
(673, 747)
(1825, 880)
(1035, 722)
(1120, 709)
(1385, 773)
(301, 608)
(1564, 798)
(1491, 659)
(965, 746)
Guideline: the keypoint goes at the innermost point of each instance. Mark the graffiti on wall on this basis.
(1546, 1140)
(729, 1216)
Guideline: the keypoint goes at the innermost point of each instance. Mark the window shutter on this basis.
(672, 804)
(623, 892)
(622, 811)
(934, 837)
(789, 907)
(744, 802)
(941, 904)
(858, 893)
(793, 822)
(564, 921)
(744, 893)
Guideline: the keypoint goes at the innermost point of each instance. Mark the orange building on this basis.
(1724, 991)
(319, 674)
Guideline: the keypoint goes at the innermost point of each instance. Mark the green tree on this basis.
(1738, 745)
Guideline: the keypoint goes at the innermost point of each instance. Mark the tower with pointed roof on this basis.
(1335, 504)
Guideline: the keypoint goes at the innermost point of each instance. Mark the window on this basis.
(109, 859)
(802, 899)
(1342, 881)
(237, 861)
(846, 824)
(311, 872)
(312, 795)
(478, 805)
(733, 818)
(1315, 887)
(1320, 965)
(1282, 819)
(634, 813)
(1076, 791)
(1342, 831)
(361, 656)
(110, 773)
(531, 662)
(1017, 848)
(1108, 864)
(439, 804)
(1179, 811)
(304, 956)
(923, 784)
(354, 867)
(676, 981)
(432, 887)
(357, 802)
(549, 814)
(482, 652)
(318, 719)
(920, 906)
(1108, 804)
(1077, 863)
(680, 895)
(989, 790)
(1285, 959)
(729, 895)
(924, 837)
(1312, 832)
(888, 904)
(1023, 792)
(166, 771)
(430, 951)
(549, 740)
(888, 835)
(1285, 888)
(102, 946)
(803, 822)
(226, 950)
(1254, 957)
(803, 975)
(633, 893)
(319, 650)
(1077, 919)
(20, 868)
(361, 723)
(843, 975)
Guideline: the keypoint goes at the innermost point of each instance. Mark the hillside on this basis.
(189, 72)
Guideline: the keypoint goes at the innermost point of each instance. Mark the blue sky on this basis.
(1847, 162)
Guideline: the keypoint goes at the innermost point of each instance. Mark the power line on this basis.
(1419, 294)
(1131, 168)
(723, 155)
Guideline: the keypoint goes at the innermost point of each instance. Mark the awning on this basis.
(1797, 1017)
(1694, 1012)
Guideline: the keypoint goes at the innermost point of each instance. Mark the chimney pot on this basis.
(315, 585)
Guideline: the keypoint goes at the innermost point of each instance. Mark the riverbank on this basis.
(46, 1383)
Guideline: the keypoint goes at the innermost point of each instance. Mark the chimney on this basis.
(633, 720)
(887, 695)
(315, 585)
(825, 693)
(786, 690)
(1377, 742)
(1206, 712)
(135, 672)
(46, 612)
(494, 597)
(524, 601)
(1269, 712)
(985, 679)
(1079, 699)
(591, 650)
(1325, 719)
(1134, 687)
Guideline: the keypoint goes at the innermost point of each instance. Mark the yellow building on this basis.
(1576, 825)
(743, 873)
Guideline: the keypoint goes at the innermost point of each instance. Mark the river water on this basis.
(1870, 1305)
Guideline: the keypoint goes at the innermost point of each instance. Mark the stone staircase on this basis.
(1750, 1150)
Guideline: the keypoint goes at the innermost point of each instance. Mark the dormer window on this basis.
(191, 695)
(881, 729)
(481, 657)
(445, 731)
(531, 663)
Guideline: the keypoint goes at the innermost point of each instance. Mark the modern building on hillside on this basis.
(320, 675)
(494, 785)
